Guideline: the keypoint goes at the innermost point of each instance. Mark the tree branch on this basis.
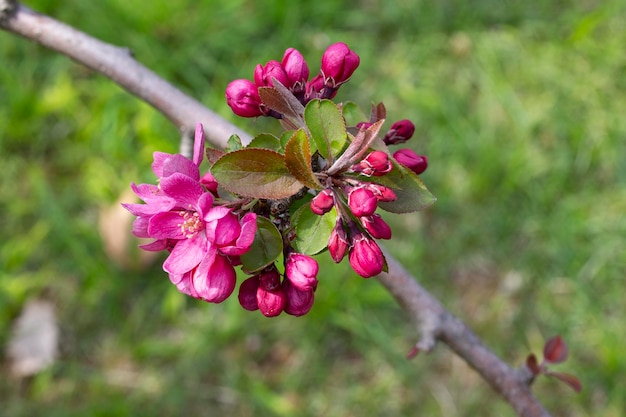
(434, 323)
(119, 65)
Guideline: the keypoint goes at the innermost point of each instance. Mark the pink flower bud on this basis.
(322, 202)
(270, 296)
(363, 125)
(243, 98)
(400, 132)
(302, 270)
(338, 64)
(365, 256)
(338, 241)
(411, 160)
(298, 302)
(381, 192)
(376, 163)
(362, 201)
(209, 182)
(376, 226)
(247, 293)
(263, 74)
(296, 69)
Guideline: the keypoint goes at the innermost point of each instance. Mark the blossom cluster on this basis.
(205, 239)
(212, 223)
(338, 64)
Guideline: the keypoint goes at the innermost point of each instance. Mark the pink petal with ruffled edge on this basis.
(185, 190)
(178, 164)
(246, 236)
(186, 255)
(214, 280)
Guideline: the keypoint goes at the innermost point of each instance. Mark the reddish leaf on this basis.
(413, 352)
(280, 99)
(212, 155)
(555, 350)
(357, 148)
(569, 379)
(378, 112)
(532, 364)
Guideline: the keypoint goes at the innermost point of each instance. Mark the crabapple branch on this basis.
(118, 64)
(434, 323)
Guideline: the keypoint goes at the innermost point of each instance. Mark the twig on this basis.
(433, 321)
(119, 65)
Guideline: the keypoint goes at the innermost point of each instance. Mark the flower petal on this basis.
(168, 225)
(186, 255)
(214, 279)
(185, 190)
(179, 164)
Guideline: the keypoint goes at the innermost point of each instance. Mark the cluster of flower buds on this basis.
(338, 64)
(357, 223)
(294, 295)
(241, 212)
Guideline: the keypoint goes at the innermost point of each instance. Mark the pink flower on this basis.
(323, 202)
(243, 98)
(338, 64)
(200, 237)
(296, 68)
(302, 271)
(411, 160)
(263, 75)
(400, 132)
(365, 256)
(362, 201)
(338, 241)
(298, 302)
(376, 226)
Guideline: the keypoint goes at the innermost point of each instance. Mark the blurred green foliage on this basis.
(518, 105)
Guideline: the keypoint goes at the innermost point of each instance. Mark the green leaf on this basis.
(265, 141)
(312, 231)
(352, 113)
(257, 173)
(298, 160)
(266, 248)
(411, 192)
(234, 143)
(327, 127)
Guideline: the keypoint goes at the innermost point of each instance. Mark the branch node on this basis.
(7, 10)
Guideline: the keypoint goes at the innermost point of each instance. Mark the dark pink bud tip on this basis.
(365, 257)
(296, 68)
(376, 163)
(338, 242)
(362, 201)
(400, 132)
(271, 303)
(302, 270)
(298, 302)
(264, 75)
(243, 98)
(376, 226)
(247, 293)
(411, 160)
(322, 202)
(339, 63)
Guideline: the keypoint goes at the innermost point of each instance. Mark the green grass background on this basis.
(520, 107)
